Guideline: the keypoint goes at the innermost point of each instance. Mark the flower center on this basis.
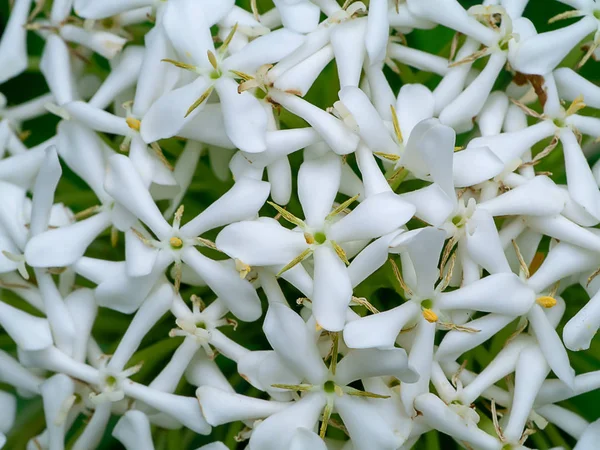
(111, 381)
(597, 14)
(560, 123)
(320, 237)
(329, 387)
(427, 303)
(176, 243)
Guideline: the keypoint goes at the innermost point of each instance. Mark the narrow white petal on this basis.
(581, 328)
(301, 17)
(43, 192)
(318, 184)
(28, 332)
(348, 42)
(13, 46)
(367, 363)
(420, 360)
(570, 85)
(133, 431)
(56, 68)
(483, 243)
(332, 289)
(55, 392)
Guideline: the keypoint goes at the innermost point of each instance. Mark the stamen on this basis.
(340, 252)
(472, 57)
(541, 155)
(200, 100)
(226, 42)
(407, 291)
(396, 124)
(254, 8)
(364, 302)
(326, 416)
(177, 217)
(592, 276)
(114, 236)
(342, 207)
(178, 274)
(288, 215)
(389, 156)
(527, 110)
(430, 316)
(575, 106)
(134, 124)
(297, 260)
(176, 242)
(357, 393)
(243, 268)
(522, 263)
(546, 301)
(335, 337)
(159, 153)
(566, 15)
(294, 387)
(144, 239)
(212, 59)
(206, 243)
(180, 64)
(87, 212)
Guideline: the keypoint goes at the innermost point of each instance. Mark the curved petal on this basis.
(43, 192)
(261, 243)
(244, 117)
(367, 363)
(582, 327)
(378, 215)
(318, 184)
(28, 332)
(239, 295)
(167, 115)
(61, 247)
(55, 65)
(483, 243)
(301, 17)
(332, 289)
(289, 336)
(348, 42)
(415, 103)
(13, 46)
(133, 430)
(472, 166)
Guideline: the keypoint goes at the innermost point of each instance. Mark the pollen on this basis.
(430, 316)
(134, 124)
(176, 242)
(546, 301)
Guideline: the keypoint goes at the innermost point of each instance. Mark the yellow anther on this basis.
(243, 268)
(309, 238)
(134, 124)
(430, 316)
(176, 242)
(546, 301)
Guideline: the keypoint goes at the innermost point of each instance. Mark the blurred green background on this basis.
(381, 289)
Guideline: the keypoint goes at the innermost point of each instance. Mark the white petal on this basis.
(13, 46)
(563, 229)
(483, 243)
(304, 438)
(581, 328)
(541, 53)
(133, 431)
(332, 289)
(551, 345)
(266, 49)
(318, 184)
(61, 247)
(276, 431)
(370, 126)
(379, 330)
(475, 165)
(432, 204)
(538, 197)
(239, 295)
(166, 117)
(378, 215)
(440, 417)
(580, 180)
(415, 103)
(301, 77)
(376, 38)
(139, 257)
(28, 332)
(289, 336)
(367, 363)
(420, 360)
(452, 15)
(241, 202)
(95, 428)
(373, 178)
(530, 373)
(510, 146)
(55, 392)
(104, 43)
(457, 342)
(424, 246)
(22, 168)
(91, 9)
(418, 59)
(97, 119)
(187, 25)
(365, 425)
(460, 112)
(184, 409)
(124, 184)
(261, 243)
(492, 114)
(43, 192)
(56, 68)
(570, 85)
(81, 305)
(301, 17)
(84, 152)
(208, 126)
(280, 177)
(370, 259)
(244, 117)
(348, 42)
(502, 293)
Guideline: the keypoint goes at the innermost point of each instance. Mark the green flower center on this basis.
(329, 387)
(320, 237)
(427, 303)
(111, 381)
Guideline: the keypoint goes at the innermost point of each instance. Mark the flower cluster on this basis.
(379, 247)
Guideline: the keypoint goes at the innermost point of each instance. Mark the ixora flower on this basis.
(264, 242)
(324, 390)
